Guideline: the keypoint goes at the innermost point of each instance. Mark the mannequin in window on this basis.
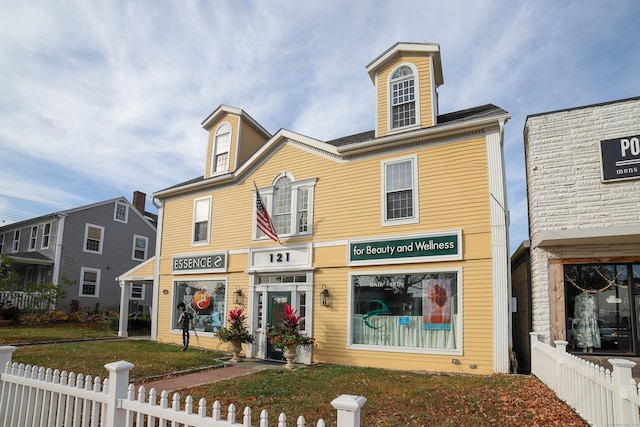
(587, 316)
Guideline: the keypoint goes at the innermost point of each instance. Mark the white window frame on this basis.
(137, 237)
(416, 100)
(126, 212)
(84, 270)
(268, 200)
(415, 218)
(195, 242)
(46, 236)
(1, 242)
(139, 286)
(86, 238)
(33, 238)
(459, 332)
(16, 241)
(223, 129)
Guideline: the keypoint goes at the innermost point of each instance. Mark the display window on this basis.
(410, 311)
(602, 306)
(205, 299)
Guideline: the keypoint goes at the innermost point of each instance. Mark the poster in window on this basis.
(436, 304)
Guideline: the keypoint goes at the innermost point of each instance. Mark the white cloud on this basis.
(103, 98)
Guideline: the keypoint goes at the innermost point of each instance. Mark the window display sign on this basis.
(419, 248)
(205, 300)
(620, 158)
(417, 311)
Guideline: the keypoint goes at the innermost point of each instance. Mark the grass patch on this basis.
(20, 334)
(89, 357)
(394, 398)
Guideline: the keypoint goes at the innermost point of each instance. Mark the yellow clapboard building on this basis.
(392, 244)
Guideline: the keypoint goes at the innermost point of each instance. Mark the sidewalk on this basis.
(179, 381)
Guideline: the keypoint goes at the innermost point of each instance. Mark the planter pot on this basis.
(290, 354)
(237, 348)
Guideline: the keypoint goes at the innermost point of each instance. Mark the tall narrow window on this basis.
(93, 238)
(220, 163)
(140, 247)
(46, 236)
(403, 97)
(1, 243)
(16, 241)
(33, 237)
(121, 212)
(399, 190)
(201, 219)
(282, 206)
(90, 285)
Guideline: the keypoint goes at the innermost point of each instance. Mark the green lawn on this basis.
(394, 398)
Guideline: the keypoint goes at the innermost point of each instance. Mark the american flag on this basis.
(264, 221)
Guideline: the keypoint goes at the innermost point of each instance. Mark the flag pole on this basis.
(267, 213)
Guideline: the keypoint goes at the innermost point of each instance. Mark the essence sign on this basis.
(429, 247)
(620, 158)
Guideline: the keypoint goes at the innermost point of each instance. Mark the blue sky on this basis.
(102, 98)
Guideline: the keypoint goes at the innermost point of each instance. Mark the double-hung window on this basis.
(222, 144)
(403, 97)
(33, 237)
(140, 244)
(400, 191)
(46, 236)
(121, 212)
(93, 238)
(90, 285)
(290, 205)
(201, 220)
(1, 243)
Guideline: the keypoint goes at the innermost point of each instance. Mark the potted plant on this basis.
(235, 332)
(287, 336)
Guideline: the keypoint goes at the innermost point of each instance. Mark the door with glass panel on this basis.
(275, 316)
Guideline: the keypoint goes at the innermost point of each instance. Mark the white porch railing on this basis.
(28, 300)
(39, 397)
(601, 397)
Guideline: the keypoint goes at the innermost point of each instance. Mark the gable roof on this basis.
(355, 144)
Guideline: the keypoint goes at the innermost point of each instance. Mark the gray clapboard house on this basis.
(89, 245)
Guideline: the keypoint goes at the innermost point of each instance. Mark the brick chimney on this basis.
(139, 201)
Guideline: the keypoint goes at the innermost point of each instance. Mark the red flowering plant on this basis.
(288, 333)
(235, 331)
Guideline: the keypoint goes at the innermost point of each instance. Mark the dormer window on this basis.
(403, 97)
(222, 144)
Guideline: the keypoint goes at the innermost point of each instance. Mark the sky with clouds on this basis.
(102, 98)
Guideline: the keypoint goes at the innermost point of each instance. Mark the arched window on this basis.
(403, 97)
(290, 205)
(222, 144)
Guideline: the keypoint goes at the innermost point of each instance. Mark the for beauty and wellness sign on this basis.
(620, 158)
(445, 246)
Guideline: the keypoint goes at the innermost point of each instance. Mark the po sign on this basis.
(620, 158)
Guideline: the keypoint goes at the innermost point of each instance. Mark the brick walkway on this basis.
(181, 381)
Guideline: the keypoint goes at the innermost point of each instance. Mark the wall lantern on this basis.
(325, 296)
(237, 296)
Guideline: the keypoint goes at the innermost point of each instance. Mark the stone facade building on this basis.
(583, 182)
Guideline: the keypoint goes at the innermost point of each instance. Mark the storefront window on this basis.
(205, 299)
(417, 310)
(599, 303)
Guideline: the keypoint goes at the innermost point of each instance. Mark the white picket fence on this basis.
(28, 300)
(599, 396)
(38, 397)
